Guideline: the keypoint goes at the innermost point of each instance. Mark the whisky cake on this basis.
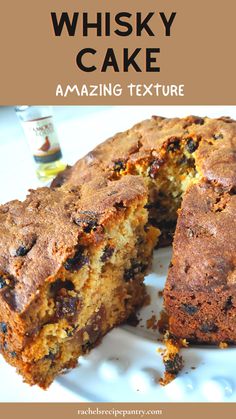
(73, 257)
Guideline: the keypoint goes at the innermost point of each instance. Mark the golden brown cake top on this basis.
(39, 234)
(215, 155)
(205, 245)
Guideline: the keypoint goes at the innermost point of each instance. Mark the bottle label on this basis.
(43, 140)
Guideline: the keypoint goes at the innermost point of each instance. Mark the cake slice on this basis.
(200, 292)
(72, 264)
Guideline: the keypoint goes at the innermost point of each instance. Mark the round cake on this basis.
(73, 257)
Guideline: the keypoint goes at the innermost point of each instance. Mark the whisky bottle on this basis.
(40, 131)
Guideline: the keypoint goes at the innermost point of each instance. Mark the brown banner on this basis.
(196, 62)
(117, 410)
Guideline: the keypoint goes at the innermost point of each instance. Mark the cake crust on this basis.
(214, 145)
